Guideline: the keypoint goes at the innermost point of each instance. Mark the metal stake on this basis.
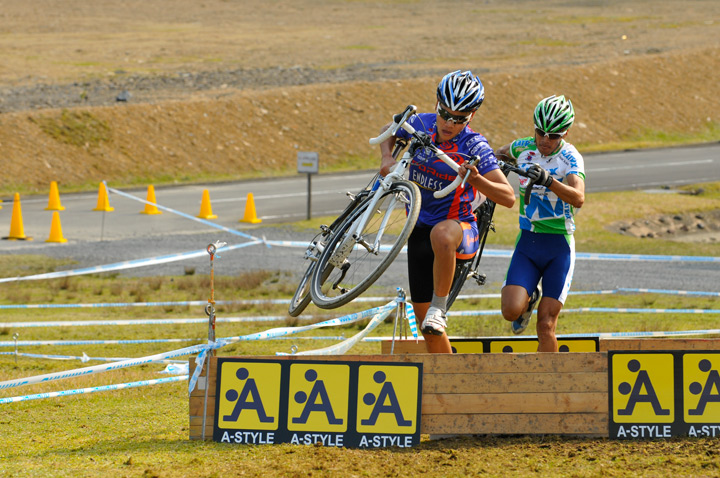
(15, 337)
(400, 315)
(210, 311)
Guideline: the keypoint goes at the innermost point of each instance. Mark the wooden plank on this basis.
(514, 382)
(564, 362)
(198, 406)
(589, 424)
(197, 421)
(403, 347)
(196, 432)
(498, 403)
(659, 343)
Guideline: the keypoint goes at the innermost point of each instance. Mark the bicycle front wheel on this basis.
(349, 265)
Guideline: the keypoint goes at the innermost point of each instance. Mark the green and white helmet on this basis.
(554, 114)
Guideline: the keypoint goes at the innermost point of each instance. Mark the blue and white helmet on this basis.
(461, 92)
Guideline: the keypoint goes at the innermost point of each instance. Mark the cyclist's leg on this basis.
(420, 278)
(522, 278)
(451, 239)
(557, 278)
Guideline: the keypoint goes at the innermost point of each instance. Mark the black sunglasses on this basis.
(457, 119)
(552, 136)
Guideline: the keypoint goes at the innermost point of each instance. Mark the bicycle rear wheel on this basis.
(302, 297)
(468, 268)
(346, 267)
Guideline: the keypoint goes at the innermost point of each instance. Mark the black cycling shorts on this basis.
(420, 264)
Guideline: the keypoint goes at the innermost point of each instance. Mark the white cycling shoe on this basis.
(435, 322)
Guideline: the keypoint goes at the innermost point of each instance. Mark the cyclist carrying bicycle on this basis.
(446, 229)
(545, 248)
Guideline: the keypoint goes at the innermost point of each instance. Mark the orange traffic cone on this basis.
(250, 215)
(17, 231)
(103, 203)
(205, 207)
(54, 199)
(151, 208)
(56, 234)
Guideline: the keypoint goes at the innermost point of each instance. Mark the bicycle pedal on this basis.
(479, 278)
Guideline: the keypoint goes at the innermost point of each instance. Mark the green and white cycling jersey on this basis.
(546, 212)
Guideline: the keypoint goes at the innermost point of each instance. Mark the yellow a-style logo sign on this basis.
(701, 388)
(387, 399)
(664, 394)
(249, 395)
(529, 346)
(308, 402)
(643, 388)
(318, 397)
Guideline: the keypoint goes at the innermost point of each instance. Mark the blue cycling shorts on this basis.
(547, 256)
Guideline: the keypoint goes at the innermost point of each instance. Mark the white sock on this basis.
(439, 302)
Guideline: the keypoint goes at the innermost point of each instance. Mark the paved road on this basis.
(96, 238)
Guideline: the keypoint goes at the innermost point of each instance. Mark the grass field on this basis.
(144, 431)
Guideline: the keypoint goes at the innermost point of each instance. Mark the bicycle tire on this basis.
(302, 298)
(334, 286)
(463, 270)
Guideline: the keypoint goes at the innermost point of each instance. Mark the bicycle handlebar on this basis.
(400, 121)
(509, 167)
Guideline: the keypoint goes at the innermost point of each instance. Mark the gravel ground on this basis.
(212, 84)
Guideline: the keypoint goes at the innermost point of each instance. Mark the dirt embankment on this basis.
(258, 133)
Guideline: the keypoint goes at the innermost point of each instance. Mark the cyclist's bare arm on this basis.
(493, 184)
(503, 153)
(572, 190)
(386, 148)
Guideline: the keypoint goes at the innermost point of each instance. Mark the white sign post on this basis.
(308, 162)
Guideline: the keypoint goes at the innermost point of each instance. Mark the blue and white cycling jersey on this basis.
(432, 174)
(547, 213)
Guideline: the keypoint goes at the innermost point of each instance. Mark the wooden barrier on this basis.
(483, 393)
(604, 345)
(494, 393)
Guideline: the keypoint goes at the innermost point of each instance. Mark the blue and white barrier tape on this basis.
(124, 265)
(662, 333)
(591, 256)
(359, 299)
(101, 368)
(602, 335)
(88, 323)
(28, 343)
(104, 388)
(187, 216)
(671, 292)
(632, 310)
(410, 312)
(84, 358)
(342, 347)
(284, 331)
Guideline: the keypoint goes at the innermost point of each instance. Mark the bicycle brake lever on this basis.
(528, 191)
(471, 162)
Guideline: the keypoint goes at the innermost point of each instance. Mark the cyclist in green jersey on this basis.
(545, 248)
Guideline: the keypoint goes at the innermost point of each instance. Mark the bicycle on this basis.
(467, 269)
(302, 297)
(374, 233)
